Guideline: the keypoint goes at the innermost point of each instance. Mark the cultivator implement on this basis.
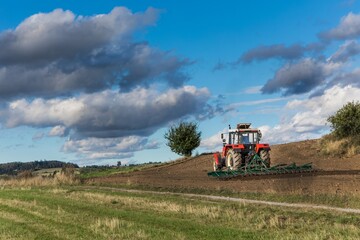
(257, 167)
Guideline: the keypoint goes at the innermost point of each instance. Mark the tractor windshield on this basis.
(243, 138)
(248, 138)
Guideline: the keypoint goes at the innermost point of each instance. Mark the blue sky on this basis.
(100, 82)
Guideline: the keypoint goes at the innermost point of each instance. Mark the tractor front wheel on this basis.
(218, 162)
(216, 167)
(265, 156)
(233, 160)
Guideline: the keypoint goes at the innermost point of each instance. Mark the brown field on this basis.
(335, 175)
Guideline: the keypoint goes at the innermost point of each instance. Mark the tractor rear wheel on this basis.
(233, 160)
(265, 156)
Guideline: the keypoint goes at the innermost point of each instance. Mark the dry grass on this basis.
(39, 181)
(333, 147)
(206, 211)
(115, 228)
(345, 147)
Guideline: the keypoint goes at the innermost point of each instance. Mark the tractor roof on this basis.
(244, 130)
(243, 125)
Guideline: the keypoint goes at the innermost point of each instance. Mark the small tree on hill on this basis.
(346, 121)
(183, 138)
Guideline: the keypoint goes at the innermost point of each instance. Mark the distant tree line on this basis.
(118, 165)
(13, 168)
(99, 168)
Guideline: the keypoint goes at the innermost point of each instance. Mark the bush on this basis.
(346, 121)
(344, 140)
(183, 138)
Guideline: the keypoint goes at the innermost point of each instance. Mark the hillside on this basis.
(335, 175)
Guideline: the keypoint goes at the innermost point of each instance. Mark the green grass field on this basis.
(338, 200)
(86, 173)
(75, 213)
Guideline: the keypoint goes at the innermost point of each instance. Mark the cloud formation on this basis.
(342, 80)
(61, 34)
(348, 28)
(275, 51)
(346, 51)
(95, 122)
(214, 142)
(87, 78)
(58, 131)
(110, 148)
(58, 53)
(315, 75)
(272, 51)
(306, 68)
(300, 77)
(350, 78)
(306, 119)
(108, 113)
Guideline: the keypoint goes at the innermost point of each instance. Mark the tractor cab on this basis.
(243, 134)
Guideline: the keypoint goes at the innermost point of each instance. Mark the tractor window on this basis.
(254, 137)
(245, 138)
(231, 138)
(234, 138)
(248, 138)
(251, 138)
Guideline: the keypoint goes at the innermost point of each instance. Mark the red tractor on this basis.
(240, 147)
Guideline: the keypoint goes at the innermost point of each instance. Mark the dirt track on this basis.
(338, 175)
(234, 199)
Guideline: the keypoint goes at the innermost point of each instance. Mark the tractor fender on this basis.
(260, 147)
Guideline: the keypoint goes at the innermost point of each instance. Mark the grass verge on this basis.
(71, 213)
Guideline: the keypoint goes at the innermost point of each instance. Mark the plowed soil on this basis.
(335, 175)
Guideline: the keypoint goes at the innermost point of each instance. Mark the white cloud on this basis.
(108, 113)
(57, 131)
(253, 90)
(306, 119)
(214, 142)
(109, 148)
